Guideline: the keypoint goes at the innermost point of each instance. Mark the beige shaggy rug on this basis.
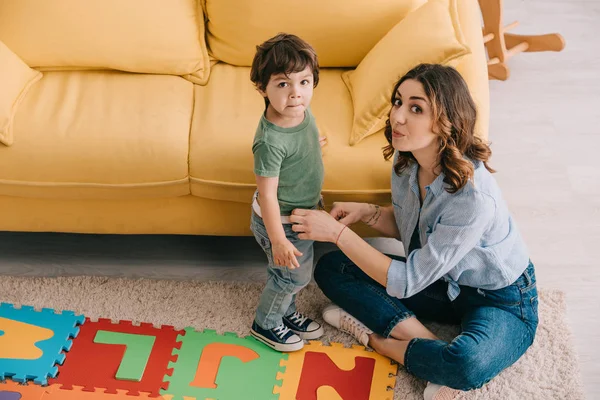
(549, 370)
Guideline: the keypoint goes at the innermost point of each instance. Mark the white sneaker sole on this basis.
(310, 335)
(284, 347)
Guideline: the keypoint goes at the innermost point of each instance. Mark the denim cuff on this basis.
(407, 354)
(397, 319)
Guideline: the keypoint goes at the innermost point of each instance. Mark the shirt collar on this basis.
(436, 187)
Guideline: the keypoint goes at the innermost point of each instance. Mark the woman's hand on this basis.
(351, 213)
(315, 225)
(285, 253)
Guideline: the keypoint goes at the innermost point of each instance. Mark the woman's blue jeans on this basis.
(497, 326)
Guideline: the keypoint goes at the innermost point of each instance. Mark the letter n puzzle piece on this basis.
(32, 342)
(334, 372)
(320, 370)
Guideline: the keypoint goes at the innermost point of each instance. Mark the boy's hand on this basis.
(322, 140)
(285, 253)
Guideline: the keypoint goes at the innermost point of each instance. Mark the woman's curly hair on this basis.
(454, 116)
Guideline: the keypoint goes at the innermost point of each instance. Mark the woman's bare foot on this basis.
(390, 347)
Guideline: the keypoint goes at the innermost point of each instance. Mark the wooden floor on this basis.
(545, 133)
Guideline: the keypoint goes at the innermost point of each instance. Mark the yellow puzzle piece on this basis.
(333, 370)
(19, 339)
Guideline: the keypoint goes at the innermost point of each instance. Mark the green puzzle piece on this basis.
(258, 373)
(136, 354)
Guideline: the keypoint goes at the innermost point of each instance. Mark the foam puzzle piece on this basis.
(18, 339)
(137, 352)
(340, 367)
(10, 395)
(319, 369)
(77, 393)
(94, 365)
(29, 391)
(329, 393)
(213, 366)
(64, 326)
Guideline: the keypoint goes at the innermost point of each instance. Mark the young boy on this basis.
(289, 174)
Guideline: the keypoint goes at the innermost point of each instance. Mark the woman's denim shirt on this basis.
(467, 238)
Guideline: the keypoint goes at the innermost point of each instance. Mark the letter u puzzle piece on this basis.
(213, 366)
(32, 342)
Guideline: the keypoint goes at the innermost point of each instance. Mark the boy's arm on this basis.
(269, 207)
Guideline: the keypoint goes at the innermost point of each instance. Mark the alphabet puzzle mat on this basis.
(50, 355)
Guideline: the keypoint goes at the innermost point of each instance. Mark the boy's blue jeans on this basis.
(278, 298)
(497, 326)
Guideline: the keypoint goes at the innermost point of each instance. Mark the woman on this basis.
(466, 262)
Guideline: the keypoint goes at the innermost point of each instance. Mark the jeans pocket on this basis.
(530, 309)
(534, 305)
(507, 296)
(262, 237)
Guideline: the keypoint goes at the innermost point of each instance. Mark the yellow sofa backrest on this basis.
(148, 36)
(341, 31)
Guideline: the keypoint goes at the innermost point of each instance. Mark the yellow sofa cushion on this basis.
(100, 135)
(16, 78)
(226, 113)
(341, 31)
(148, 36)
(431, 34)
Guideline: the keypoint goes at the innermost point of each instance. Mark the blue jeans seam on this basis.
(276, 303)
(385, 297)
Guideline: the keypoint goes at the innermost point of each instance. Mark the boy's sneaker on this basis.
(303, 326)
(345, 322)
(280, 338)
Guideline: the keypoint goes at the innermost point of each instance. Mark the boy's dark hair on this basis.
(282, 54)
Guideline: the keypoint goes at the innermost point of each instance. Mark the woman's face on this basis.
(411, 119)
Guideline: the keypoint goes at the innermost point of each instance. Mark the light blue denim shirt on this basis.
(467, 238)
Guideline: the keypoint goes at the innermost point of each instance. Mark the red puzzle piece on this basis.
(319, 370)
(94, 365)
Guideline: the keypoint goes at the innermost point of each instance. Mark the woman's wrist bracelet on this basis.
(375, 217)
(340, 234)
(371, 216)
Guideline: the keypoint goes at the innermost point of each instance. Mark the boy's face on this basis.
(290, 95)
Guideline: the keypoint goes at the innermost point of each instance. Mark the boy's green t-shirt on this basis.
(294, 155)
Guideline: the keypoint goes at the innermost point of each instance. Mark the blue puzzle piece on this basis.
(9, 395)
(65, 327)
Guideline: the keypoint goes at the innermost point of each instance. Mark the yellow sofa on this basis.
(144, 117)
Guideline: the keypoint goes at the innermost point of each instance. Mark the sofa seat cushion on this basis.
(100, 135)
(226, 114)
